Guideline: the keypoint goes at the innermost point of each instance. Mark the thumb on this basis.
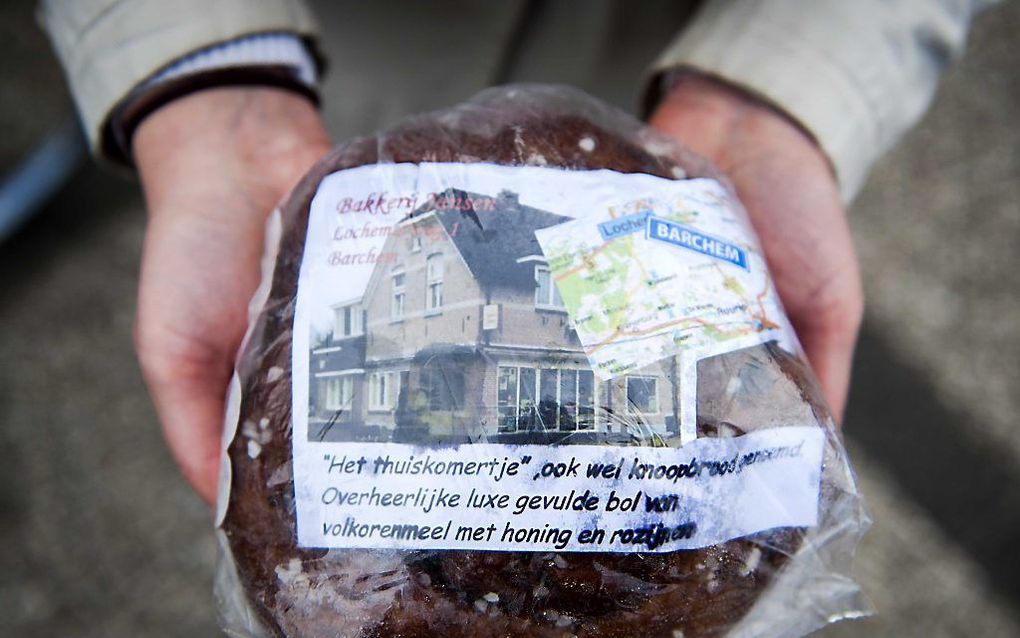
(189, 400)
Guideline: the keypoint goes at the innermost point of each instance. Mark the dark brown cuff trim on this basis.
(121, 125)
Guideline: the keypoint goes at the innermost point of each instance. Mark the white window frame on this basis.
(517, 394)
(356, 325)
(416, 244)
(537, 390)
(633, 409)
(552, 300)
(398, 297)
(339, 391)
(434, 284)
(387, 401)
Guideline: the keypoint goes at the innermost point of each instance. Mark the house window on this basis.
(402, 386)
(515, 402)
(443, 384)
(643, 395)
(546, 399)
(398, 279)
(338, 393)
(434, 283)
(585, 399)
(416, 243)
(349, 321)
(383, 389)
(546, 295)
(506, 399)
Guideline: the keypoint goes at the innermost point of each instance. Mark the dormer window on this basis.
(349, 321)
(398, 282)
(546, 295)
(434, 284)
(416, 243)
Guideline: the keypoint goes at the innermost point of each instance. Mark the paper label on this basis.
(563, 498)
(460, 313)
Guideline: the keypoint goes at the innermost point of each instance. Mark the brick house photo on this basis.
(461, 336)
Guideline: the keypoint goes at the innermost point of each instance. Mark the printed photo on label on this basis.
(450, 311)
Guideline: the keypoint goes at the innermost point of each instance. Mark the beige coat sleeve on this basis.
(108, 47)
(855, 73)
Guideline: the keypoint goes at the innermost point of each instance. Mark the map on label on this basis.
(662, 274)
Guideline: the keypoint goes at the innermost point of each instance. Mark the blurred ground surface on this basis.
(102, 538)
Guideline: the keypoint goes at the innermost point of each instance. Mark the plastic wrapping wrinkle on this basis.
(468, 335)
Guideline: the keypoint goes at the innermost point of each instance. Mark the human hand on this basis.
(790, 193)
(213, 165)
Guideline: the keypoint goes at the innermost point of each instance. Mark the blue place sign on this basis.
(623, 225)
(671, 232)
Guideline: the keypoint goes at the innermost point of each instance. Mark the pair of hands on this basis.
(215, 163)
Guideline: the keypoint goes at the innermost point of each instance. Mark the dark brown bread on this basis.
(301, 592)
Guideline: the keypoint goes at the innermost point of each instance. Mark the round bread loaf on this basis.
(300, 592)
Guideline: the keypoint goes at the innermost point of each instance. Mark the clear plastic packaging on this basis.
(486, 246)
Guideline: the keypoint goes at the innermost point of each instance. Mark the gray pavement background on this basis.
(102, 537)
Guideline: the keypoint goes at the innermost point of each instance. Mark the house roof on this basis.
(339, 354)
(492, 239)
(350, 301)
